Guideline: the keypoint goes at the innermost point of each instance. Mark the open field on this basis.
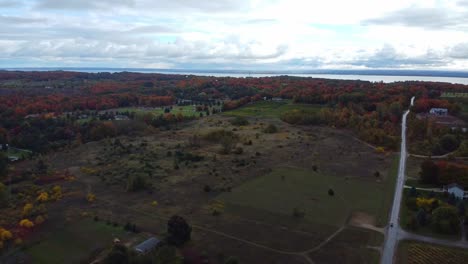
(75, 242)
(411, 252)
(270, 109)
(353, 245)
(258, 202)
(284, 189)
(187, 110)
(454, 95)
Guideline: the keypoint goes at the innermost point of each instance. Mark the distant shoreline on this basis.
(433, 73)
(386, 76)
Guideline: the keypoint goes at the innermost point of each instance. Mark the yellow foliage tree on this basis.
(425, 203)
(89, 171)
(18, 241)
(5, 235)
(39, 220)
(27, 209)
(380, 149)
(154, 203)
(91, 197)
(43, 197)
(57, 192)
(217, 207)
(26, 223)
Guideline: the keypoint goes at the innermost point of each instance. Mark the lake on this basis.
(239, 74)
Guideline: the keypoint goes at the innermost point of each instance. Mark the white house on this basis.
(456, 190)
(439, 111)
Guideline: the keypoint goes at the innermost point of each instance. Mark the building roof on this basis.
(147, 245)
(454, 185)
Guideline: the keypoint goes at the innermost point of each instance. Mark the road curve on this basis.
(391, 236)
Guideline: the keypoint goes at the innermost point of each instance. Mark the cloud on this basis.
(20, 20)
(83, 4)
(459, 51)
(389, 57)
(151, 29)
(9, 3)
(423, 17)
(143, 5)
(299, 34)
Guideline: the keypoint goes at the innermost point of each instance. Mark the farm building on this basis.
(439, 111)
(147, 245)
(456, 190)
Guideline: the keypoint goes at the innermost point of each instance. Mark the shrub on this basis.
(238, 150)
(239, 121)
(136, 183)
(445, 220)
(298, 213)
(270, 129)
(179, 231)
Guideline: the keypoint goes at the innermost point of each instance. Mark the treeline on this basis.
(443, 173)
(372, 110)
(44, 134)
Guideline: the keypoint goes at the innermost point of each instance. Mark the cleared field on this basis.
(353, 246)
(259, 203)
(410, 252)
(284, 189)
(187, 110)
(271, 109)
(454, 95)
(75, 242)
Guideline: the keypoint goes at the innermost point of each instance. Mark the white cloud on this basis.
(226, 33)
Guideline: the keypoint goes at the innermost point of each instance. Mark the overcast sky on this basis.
(235, 34)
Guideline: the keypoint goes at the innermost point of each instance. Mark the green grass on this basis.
(454, 95)
(187, 110)
(75, 242)
(18, 153)
(271, 109)
(308, 191)
(351, 247)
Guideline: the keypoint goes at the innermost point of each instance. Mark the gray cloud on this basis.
(9, 3)
(429, 18)
(388, 57)
(20, 20)
(151, 29)
(459, 51)
(84, 4)
(144, 5)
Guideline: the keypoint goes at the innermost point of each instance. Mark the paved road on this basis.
(439, 190)
(391, 237)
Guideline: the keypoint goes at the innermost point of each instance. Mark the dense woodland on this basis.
(39, 109)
